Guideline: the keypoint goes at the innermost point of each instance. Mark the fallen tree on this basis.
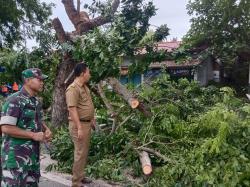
(196, 136)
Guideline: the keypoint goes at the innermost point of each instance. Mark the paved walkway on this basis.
(44, 182)
(55, 179)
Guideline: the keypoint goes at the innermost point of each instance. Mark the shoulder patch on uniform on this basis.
(71, 86)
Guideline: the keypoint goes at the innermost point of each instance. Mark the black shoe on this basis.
(86, 180)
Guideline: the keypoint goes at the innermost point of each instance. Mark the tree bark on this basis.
(109, 107)
(78, 6)
(83, 26)
(72, 13)
(156, 153)
(124, 92)
(61, 35)
(59, 107)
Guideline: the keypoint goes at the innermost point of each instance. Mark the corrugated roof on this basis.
(167, 46)
(173, 64)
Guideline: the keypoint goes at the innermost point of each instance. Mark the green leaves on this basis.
(17, 15)
(204, 131)
(222, 26)
(104, 49)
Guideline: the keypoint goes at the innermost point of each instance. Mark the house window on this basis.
(134, 79)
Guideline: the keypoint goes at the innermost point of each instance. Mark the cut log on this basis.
(124, 92)
(134, 103)
(145, 163)
(156, 153)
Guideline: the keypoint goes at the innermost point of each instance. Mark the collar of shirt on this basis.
(26, 94)
(79, 84)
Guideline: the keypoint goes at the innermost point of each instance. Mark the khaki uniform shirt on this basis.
(79, 96)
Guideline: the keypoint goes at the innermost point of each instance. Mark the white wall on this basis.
(205, 72)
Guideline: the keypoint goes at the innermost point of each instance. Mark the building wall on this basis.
(135, 79)
(204, 72)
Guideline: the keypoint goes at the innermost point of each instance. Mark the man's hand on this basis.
(38, 136)
(79, 133)
(48, 135)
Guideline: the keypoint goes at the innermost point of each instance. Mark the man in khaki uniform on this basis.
(81, 119)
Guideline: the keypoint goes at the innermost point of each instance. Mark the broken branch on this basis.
(71, 12)
(61, 35)
(156, 154)
(124, 92)
(105, 100)
(126, 119)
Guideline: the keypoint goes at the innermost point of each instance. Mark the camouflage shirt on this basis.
(23, 111)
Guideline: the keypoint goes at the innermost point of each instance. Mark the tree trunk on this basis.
(59, 107)
(222, 72)
(249, 79)
(145, 163)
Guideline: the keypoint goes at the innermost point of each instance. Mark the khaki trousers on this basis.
(81, 149)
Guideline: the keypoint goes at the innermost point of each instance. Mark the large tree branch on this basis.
(100, 20)
(124, 121)
(81, 20)
(115, 6)
(124, 92)
(78, 6)
(71, 12)
(61, 35)
(84, 27)
(128, 96)
(105, 100)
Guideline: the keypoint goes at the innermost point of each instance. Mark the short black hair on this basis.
(79, 68)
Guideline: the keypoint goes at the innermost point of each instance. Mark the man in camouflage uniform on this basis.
(23, 129)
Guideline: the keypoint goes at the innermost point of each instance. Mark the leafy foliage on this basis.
(17, 61)
(222, 25)
(104, 49)
(19, 19)
(203, 132)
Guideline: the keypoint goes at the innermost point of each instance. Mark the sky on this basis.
(174, 14)
(170, 12)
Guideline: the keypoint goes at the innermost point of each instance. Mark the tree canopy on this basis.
(221, 27)
(20, 18)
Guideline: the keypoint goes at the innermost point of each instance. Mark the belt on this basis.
(84, 120)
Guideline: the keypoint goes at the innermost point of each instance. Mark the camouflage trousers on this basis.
(20, 178)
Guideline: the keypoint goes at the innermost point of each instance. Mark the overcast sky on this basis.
(170, 12)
